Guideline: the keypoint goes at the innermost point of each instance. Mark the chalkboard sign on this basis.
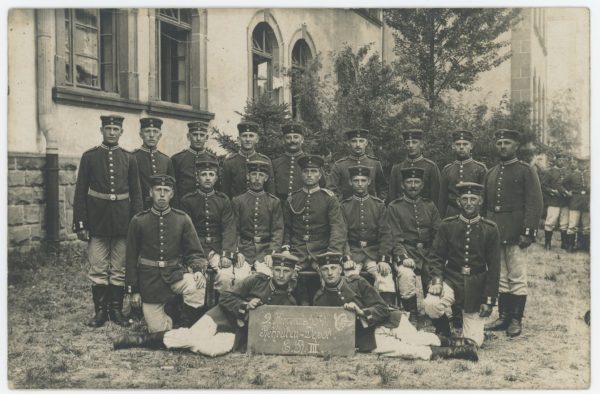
(301, 330)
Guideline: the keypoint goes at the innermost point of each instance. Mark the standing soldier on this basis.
(369, 242)
(465, 266)
(338, 180)
(234, 179)
(107, 195)
(463, 169)
(213, 219)
(556, 199)
(414, 222)
(149, 159)
(578, 186)
(431, 175)
(161, 244)
(513, 199)
(184, 162)
(259, 220)
(313, 223)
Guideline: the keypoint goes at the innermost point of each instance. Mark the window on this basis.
(263, 45)
(174, 29)
(90, 49)
(370, 14)
(301, 56)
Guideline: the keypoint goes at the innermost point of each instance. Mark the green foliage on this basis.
(563, 120)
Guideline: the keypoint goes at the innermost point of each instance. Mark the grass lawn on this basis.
(50, 347)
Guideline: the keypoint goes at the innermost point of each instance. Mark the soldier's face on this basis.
(111, 133)
(256, 180)
(331, 273)
(161, 196)
(150, 136)
(412, 187)
(293, 142)
(360, 184)
(248, 140)
(311, 176)
(561, 162)
(470, 204)
(358, 145)
(207, 178)
(414, 147)
(197, 139)
(507, 148)
(462, 149)
(282, 275)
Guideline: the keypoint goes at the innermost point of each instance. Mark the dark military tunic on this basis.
(166, 236)
(338, 180)
(151, 162)
(313, 224)
(474, 244)
(356, 289)
(413, 225)
(259, 220)
(513, 200)
(431, 178)
(111, 171)
(458, 171)
(553, 187)
(288, 174)
(184, 165)
(233, 174)
(213, 219)
(368, 229)
(578, 182)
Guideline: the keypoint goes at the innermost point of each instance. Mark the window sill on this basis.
(165, 108)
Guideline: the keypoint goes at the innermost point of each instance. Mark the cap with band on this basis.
(197, 126)
(207, 163)
(359, 170)
(357, 133)
(162, 180)
(112, 120)
(293, 128)
(507, 134)
(413, 134)
(284, 260)
(412, 172)
(151, 122)
(469, 188)
(311, 161)
(247, 126)
(329, 258)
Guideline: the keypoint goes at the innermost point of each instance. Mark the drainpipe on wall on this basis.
(44, 29)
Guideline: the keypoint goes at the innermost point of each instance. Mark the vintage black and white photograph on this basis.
(298, 198)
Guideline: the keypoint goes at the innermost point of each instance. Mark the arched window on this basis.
(301, 56)
(264, 46)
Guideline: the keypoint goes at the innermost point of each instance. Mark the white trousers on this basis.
(383, 284)
(201, 338)
(405, 341)
(557, 215)
(226, 277)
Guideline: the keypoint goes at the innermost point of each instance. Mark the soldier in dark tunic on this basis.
(184, 162)
(431, 176)
(259, 220)
(338, 180)
(578, 186)
(161, 246)
(556, 200)
(149, 159)
(513, 200)
(465, 266)
(107, 195)
(218, 331)
(234, 177)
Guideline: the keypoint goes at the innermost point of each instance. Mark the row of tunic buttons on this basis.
(499, 184)
(207, 217)
(111, 171)
(306, 215)
(291, 177)
(362, 216)
(467, 240)
(152, 159)
(417, 217)
(161, 225)
(256, 204)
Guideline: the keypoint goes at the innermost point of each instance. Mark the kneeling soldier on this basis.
(157, 240)
(217, 332)
(465, 266)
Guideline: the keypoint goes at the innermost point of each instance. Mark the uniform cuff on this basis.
(78, 226)
(131, 289)
(229, 255)
(491, 301)
(400, 258)
(385, 259)
(436, 281)
(530, 232)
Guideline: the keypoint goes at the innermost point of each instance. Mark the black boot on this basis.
(571, 243)
(585, 239)
(150, 341)
(461, 352)
(548, 240)
(563, 240)
(116, 306)
(190, 315)
(388, 297)
(100, 297)
(457, 321)
(503, 320)
(442, 326)
(456, 341)
(518, 307)
(410, 305)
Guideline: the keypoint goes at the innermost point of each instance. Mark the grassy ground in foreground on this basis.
(50, 347)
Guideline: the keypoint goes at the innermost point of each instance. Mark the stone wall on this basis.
(27, 202)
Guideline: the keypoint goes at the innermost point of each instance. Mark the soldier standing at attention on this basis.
(234, 179)
(184, 162)
(556, 199)
(161, 244)
(149, 159)
(338, 180)
(107, 195)
(578, 185)
(431, 174)
(463, 169)
(513, 200)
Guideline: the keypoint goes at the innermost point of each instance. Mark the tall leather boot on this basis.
(115, 308)
(501, 323)
(457, 321)
(585, 242)
(442, 326)
(518, 307)
(410, 305)
(456, 341)
(150, 341)
(100, 297)
(388, 297)
(548, 239)
(468, 352)
(190, 315)
(571, 243)
(563, 240)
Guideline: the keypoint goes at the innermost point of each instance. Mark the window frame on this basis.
(298, 68)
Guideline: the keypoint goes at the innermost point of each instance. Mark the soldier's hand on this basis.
(225, 262)
(241, 259)
(253, 303)
(199, 279)
(524, 241)
(408, 263)
(384, 268)
(214, 259)
(135, 300)
(83, 235)
(268, 260)
(436, 289)
(349, 264)
(485, 310)
(352, 307)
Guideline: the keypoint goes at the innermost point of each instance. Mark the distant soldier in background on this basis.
(578, 186)
(556, 199)
(107, 195)
(338, 180)
(149, 159)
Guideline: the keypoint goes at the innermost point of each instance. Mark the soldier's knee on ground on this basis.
(433, 306)
(224, 279)
(406, 282)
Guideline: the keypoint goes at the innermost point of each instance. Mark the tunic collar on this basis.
(256, 194)
(278, 289)
(311, 191)
(109, 147)
(416, 159)
(470, 159)
(205, 195)
(336, 287)
(143, 148)
(196, 152)
(361, 199)
(511, 161)
(246, 155)
(476, 219)
(294, 155)
(411, 201)
(361, 157)
(160, 213)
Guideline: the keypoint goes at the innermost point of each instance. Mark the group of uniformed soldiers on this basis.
(158, 227)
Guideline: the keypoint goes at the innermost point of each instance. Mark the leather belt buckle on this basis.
(257, 240)
(162, 264)
(363, 244)
(465, 270)
(208, 239)
(497, 208)
(113, 197)
(306, 238)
